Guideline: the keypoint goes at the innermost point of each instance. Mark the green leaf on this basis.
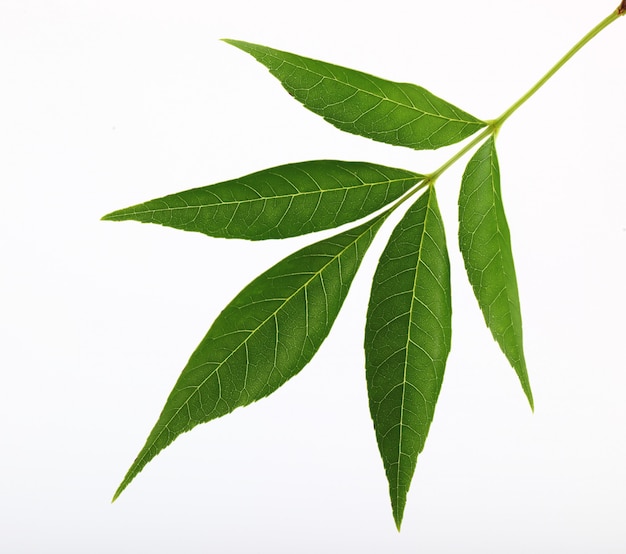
(396, 113)
(266, 335)
(280, 202)
(485, 243)
(407, 341)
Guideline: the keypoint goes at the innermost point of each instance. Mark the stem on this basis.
(476, 140)
(621, 10)
(425, 182)
(494, 125)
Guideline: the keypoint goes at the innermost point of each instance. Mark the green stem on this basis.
(495, 124)
(476, 140)
(596, 30)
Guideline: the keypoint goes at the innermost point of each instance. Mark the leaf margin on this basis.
(486, 155)
(430, 228)
(296, 181)
(370, 227)
(403, 89)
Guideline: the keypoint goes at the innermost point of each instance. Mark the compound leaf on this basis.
(485, 244)
(396, 113)
(266, 335)
(407, 341)
(280, 202)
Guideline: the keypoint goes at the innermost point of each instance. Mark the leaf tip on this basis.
(116, 495)
(523, 377)
(247, 47)
(398, 512)
(233, 42)
(529, 396)
(398, 524)
(119, 215)
(122, 486)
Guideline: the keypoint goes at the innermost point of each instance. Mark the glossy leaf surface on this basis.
(280, 202)
(402, 114)
(407, 341)
(266, 335)
(485, 243)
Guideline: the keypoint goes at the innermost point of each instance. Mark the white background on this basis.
(106, 104)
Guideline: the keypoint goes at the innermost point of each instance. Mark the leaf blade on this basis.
(402, 114)
(266, 335)
(407, 341)
(485, 243)
(279, 202)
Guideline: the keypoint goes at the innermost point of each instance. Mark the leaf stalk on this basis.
(621, 10)
(493, 126)
(485, 133)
